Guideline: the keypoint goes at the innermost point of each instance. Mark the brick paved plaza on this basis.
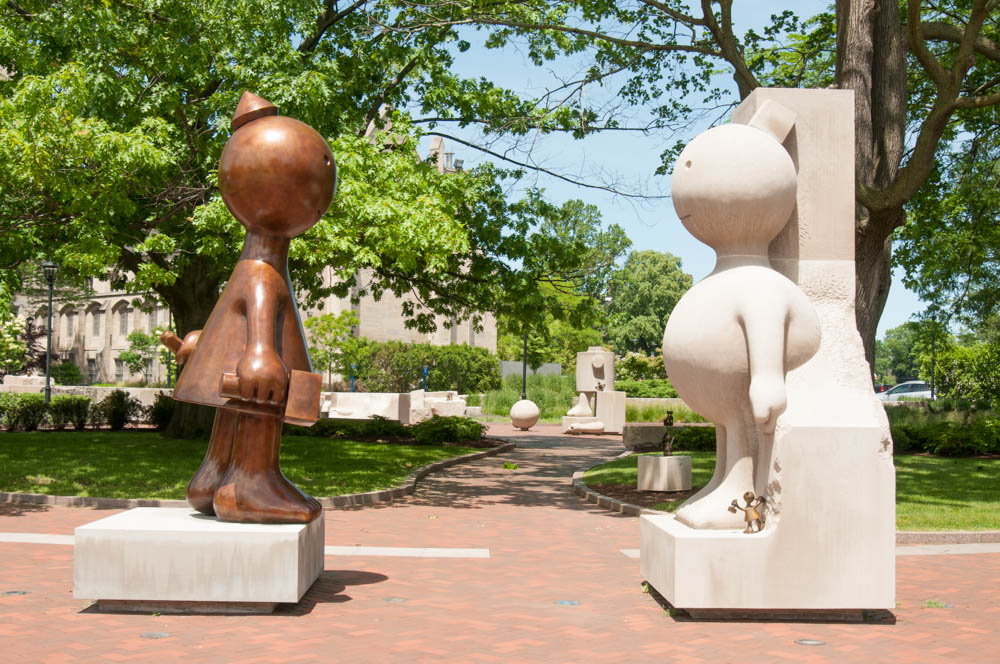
(555, 587)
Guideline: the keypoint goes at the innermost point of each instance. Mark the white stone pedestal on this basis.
(610, 409)
(832, 546)
(175, 559)
(664, 473)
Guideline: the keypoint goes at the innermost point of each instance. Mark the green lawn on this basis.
(144, 464)
(932, 493)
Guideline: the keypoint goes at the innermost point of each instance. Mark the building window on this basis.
(123, 322)
(152, 319)
(91, 370)
(119, 370)
(95, 322)
(70, 320)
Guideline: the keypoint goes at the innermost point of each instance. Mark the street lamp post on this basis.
(524, 369)
(50, 269)
(426, 369)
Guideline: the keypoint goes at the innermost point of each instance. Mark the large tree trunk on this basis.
(191, 299)
(871, 60)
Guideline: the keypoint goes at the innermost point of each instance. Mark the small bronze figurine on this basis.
(277, 177)
(750, 512)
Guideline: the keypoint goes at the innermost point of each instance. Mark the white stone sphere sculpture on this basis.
(524, 414)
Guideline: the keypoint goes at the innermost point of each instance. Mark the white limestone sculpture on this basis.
(581, 407)
(594, 426)
(524, 414)
(731, 339)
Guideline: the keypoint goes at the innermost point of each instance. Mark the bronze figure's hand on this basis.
(262, 377)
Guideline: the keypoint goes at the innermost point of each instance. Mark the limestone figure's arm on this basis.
(765, 329)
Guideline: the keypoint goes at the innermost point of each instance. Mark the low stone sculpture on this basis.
(733, 336)
(581, 408)
(524, 414)
(277, 176)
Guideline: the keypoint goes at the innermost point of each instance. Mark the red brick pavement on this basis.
(546, 546)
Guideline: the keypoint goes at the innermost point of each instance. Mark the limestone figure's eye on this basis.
(687, 164)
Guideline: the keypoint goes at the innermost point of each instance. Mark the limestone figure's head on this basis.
(276, 174)
(734, 185)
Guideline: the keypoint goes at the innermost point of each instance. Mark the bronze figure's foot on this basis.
(254, 490)
(201, 488)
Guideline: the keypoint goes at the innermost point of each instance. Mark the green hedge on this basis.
(434, 431)
(647, 389)
(395, 366)
(67, 409)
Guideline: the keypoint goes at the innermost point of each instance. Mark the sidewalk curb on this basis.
(902, 536)
(408, 486)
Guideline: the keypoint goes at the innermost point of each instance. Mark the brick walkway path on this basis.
(556, 588)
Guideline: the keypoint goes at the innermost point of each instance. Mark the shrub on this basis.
(7, 400)
(439, 430)
(69, 409)
(161, 411)
(25, 412)
(552, 394)
(67, 373)
(395, 366)
(693, 439)
(654, 389)
(656, 413)
(639, 367)
(375, 428)
(118, 409)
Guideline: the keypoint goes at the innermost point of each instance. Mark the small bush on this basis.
(25, 412)
(119, 409)
(656, 413)
(69, 409)
(438, 430)
(7, 400)
(162, 410)
(653, 389)
(67, 373)
(552, 394)
(694, 439)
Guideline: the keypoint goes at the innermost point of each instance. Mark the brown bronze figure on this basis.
(750, 513)
(277, 176)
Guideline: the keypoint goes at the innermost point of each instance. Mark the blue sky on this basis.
(629, 158)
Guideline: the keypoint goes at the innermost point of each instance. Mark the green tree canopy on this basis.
(643, 293)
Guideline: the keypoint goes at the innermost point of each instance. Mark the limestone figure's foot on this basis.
(710, 511)
(265, 497)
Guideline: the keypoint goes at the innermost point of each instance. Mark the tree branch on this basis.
(941, 31)
(914, 30)
(673, 13)
(540, 169)
(324, 21)
(393, 84)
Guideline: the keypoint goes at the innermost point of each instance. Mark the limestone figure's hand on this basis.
(767, 400)
(263, 377)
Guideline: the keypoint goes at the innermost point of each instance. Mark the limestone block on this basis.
(11, 379)
(664, 473)
(611, 411)
(572, 424)
(643, 436)
(473, 411)
(524, 414)
(447, 407)
(595, 370)
(365, 405)
(831, 545)
(179, 555)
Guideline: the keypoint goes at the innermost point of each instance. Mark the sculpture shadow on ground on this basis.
(327, 589)
(20, 509)
(831, 617)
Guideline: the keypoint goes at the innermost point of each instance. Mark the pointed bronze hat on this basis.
(251, 107)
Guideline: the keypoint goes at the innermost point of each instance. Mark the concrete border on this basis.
(902, 536)
(408, 486)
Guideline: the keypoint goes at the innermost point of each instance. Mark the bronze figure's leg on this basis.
(254, 490)
(206, 480)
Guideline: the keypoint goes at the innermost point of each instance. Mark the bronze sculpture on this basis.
(751, 514)
(277, 176)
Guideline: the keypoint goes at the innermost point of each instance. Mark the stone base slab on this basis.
(168, 555)
(185, 608)
(569, 421)
(664, 473)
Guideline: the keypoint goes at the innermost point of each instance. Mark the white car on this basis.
(911, 389)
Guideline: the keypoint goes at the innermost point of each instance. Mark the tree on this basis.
(113, 116)
(330, 337)
(643, 293)
(897, 353)
(13, 348)
(919, 69)
(142, 349)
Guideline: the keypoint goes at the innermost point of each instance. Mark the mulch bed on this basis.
(629, 494)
